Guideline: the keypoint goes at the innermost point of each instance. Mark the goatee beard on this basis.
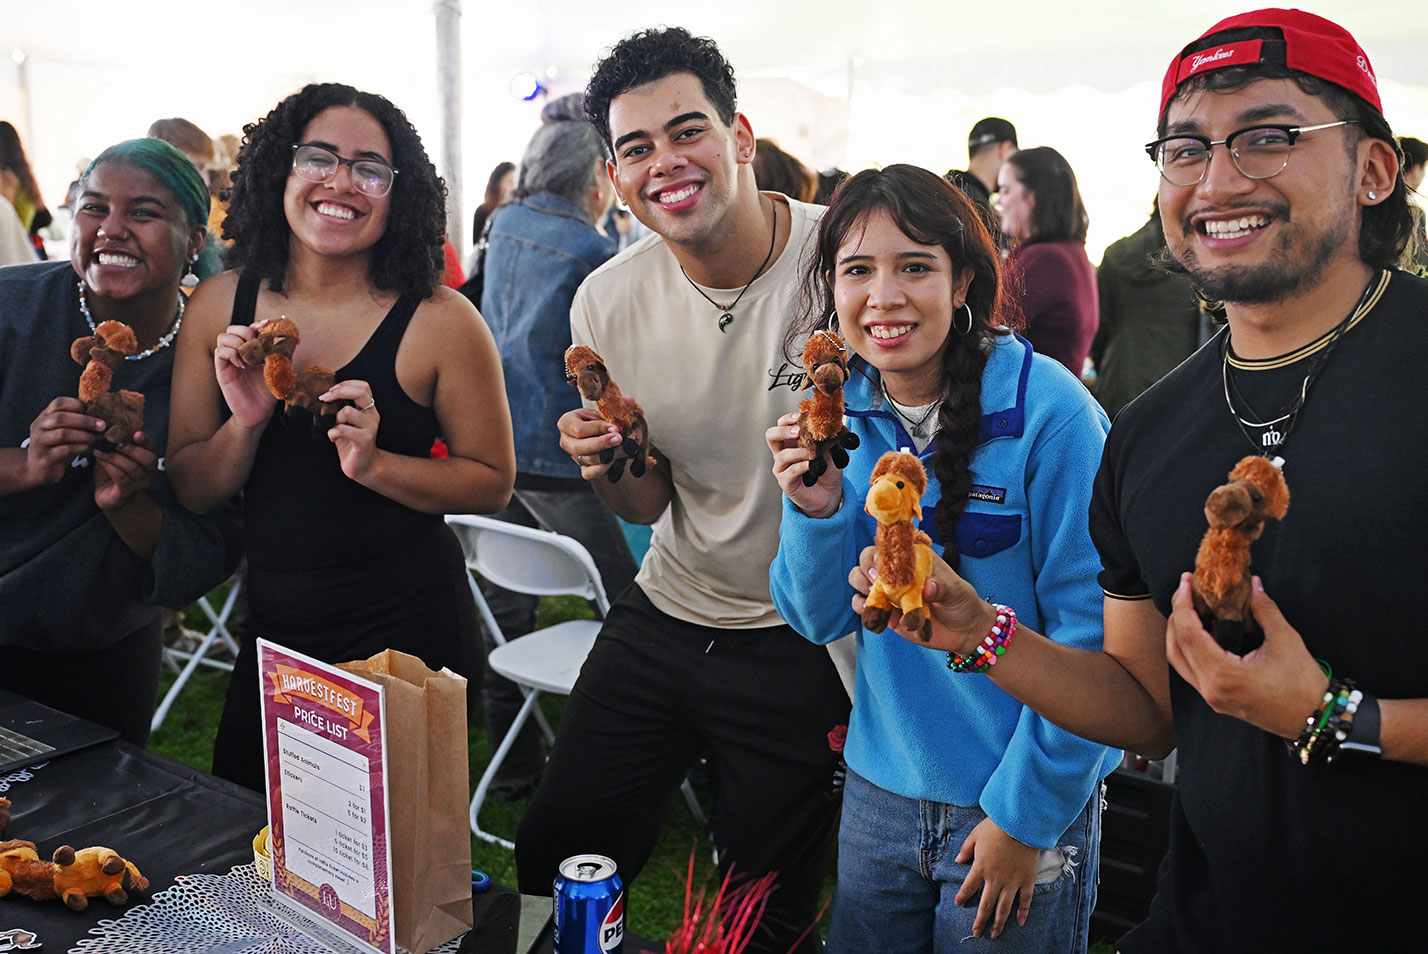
(1270, 281)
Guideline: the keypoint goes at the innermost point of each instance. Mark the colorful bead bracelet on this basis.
(1329, 725)
(992, 645)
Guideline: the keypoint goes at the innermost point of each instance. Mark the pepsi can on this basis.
(589, 907)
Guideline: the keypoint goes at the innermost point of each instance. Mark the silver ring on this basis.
(580, 459)
(370, 404)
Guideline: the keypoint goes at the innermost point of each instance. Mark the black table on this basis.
(170, 819)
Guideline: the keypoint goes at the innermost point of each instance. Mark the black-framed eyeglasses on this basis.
(1259, 152)
(319, 164)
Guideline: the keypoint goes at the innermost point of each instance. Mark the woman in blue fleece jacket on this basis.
(954, 787)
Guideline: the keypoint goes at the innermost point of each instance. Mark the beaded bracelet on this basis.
(992, 645)
(1329, 725)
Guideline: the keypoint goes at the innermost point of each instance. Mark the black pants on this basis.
(116, 685)
(655, 694)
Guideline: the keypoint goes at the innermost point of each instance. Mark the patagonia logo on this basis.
(996, 495)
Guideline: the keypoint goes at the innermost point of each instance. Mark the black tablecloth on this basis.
(165, 817)
(169, 819)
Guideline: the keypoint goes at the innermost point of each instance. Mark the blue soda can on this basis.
(589, 907)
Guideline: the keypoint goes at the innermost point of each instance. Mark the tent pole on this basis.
(448, 91)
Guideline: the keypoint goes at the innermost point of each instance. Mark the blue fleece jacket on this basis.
(917, 728)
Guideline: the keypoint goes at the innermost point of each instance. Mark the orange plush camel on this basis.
(1237, 512)
(102, 353)
(299, 392)
(73, 876)
(904, 553)
(585, 370)
(820, 416)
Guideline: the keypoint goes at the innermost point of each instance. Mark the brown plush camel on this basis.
(73, 876)
(820, 416)
(299, 392)
(904, 553)
(1237, 512)
(102, 353)
(585, 370)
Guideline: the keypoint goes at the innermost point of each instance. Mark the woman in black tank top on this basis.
(337, 223)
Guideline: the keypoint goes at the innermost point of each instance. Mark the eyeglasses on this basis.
(1259, 152)
(319, 164)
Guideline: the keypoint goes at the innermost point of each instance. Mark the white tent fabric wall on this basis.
(832, 81)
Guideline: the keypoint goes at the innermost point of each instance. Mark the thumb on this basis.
(1266, 611)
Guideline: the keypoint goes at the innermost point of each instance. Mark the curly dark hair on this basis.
(1386, 228)
(651, 55)
(930, 211)
(407, 259)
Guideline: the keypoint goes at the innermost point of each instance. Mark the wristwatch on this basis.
(1362, 745)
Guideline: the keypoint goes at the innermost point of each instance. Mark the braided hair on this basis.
(929, 211)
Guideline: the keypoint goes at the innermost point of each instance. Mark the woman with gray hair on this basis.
(542, 245)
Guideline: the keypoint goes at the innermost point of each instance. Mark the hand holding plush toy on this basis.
(1237, 512)
(820, 417)
(585, 370)
(299, 392)
(102, 353)
(904, 553)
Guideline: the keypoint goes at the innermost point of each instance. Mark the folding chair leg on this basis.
(694, 807)
(497, 757)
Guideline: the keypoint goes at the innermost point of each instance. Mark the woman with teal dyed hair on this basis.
(94, 543)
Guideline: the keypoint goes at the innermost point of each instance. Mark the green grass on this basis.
(655, 905)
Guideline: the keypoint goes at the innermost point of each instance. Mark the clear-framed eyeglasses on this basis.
(315, 163)
(1259, 152)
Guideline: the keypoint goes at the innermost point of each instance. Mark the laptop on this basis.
(31, 732)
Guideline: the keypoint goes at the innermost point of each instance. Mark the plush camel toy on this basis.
(820, 416)
(299, 392)
(1237, 512)
(102, 353)
(904, 557)
(585, 370)
(73, 876)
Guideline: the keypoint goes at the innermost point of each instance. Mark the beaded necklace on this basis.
(160, 345)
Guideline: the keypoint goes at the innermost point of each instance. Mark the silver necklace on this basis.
(917, 428)
(727, 317)
(1272, 437)
(160, 345)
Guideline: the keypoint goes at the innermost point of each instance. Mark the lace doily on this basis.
(218, 914)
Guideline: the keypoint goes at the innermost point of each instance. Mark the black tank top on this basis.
(300, 510)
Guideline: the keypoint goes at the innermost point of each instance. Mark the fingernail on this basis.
(872, 573)
(99, 425)
(1257, 583)
(793, 431)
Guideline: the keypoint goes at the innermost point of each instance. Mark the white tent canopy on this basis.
(836, 83)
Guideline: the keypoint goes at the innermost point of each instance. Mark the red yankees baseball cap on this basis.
(1292, 38)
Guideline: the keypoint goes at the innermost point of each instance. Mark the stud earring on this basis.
(1372, 195)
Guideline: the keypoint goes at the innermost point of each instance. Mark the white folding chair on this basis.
(539, 563)
(217, 648)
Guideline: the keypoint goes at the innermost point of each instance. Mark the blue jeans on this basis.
(898, 876)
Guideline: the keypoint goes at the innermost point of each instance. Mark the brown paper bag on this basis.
(427, 793)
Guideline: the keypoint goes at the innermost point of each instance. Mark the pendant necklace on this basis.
(922, 426)
(1270, 437)
(159, 345)
(727, 317)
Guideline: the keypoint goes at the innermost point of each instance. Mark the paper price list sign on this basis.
(326, 793)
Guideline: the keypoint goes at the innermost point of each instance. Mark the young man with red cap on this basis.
(1299, 820)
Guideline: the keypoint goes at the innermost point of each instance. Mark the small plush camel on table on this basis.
(904, 553)
(820, 416)
(585, 370)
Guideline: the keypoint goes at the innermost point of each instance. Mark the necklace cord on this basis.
(728, 312)
(159, 345)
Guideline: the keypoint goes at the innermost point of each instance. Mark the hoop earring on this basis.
(970, 321)
(833, 320)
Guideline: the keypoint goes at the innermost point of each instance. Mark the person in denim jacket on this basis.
(954, 788)
(542, 246)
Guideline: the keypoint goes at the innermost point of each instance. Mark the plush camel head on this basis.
(585, 370)
(277, 339)
(16, 851)
(897, 484)
(1256, 493)
(825, 362)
